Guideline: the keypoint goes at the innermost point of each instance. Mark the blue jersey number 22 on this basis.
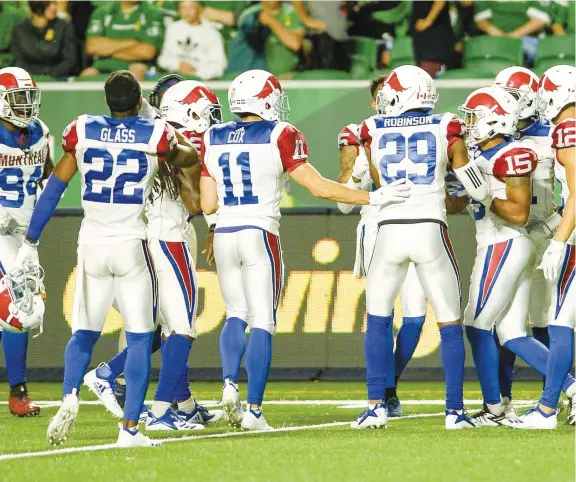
(243, 161)
(420, 167)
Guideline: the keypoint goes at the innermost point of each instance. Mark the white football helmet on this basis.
(22, 295)
(489, 112)
(19, 96)
(191, 106)
(522, 83)
(557, 89)
(406, 87)
(258, 92)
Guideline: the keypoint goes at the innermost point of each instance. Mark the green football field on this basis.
(312, 442)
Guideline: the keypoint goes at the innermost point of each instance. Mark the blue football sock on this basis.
(485, 356)
(157, 339)
(375, 350)
(232, 347)
(453, 356)
(114, 368)
(407, 341)
(174, 359)
(258, 359)
(77, 356)
(137, 372)
(389, 367)
(183, 388)
(15, 347)
(506, 360)
(531, 351)
(560, 361)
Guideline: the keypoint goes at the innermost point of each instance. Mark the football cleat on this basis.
(201, 415)
(104, 392)
(533, 419)
(128, 438)
(371, 418)
(484, 418)
(571, 417)
(393, 407)
(254, 420)
(20, 403)
(231, 404)
(144, 413)
(508, 408)
(61, 423)
(169, 421)
(458, 420)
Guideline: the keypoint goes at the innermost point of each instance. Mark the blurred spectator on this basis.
(123, 35)
(225, 12)
(563, 17)
(269, 37)
(432, 35)
(521, 20)
(168, 10)
(193, 47)
(78, 13)
(45, 44)
(326, 44)
(10, 16)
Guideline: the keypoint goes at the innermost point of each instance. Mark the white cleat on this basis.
(508, 408)
(484, 418)
(61, 423)
(103, 390)
(534, 419)
(128, 438)
(458, 420)
(231, 404)
(254, 420)
(170, 421)
(571, 417)
(371, 418)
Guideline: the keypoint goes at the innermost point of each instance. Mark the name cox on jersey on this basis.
(126, 136)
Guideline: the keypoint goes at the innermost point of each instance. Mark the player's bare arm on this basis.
(373, 172)
(348, 155)
(456, 205)
(208, 195)
(182, 156)
(190, 188)
(567, 157)
(516, 208)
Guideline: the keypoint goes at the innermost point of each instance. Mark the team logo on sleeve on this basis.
(299, 153)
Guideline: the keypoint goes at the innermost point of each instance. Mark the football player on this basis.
(502, 274)
(355, 173)
(557, 99)
(118, 157)
(405, 142)
(24, 164)
(245, 166)
(190, 107)
(543, 221)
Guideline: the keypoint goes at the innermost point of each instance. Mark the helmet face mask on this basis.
(522, 84)
(20, 106)
(23, 284)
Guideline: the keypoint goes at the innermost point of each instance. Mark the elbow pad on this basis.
(346, 208)
(474, 183)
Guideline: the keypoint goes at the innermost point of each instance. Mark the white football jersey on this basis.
(167, 218)
(117, 160)
(22, 157)
(250, 162)
(537, 138)
(563, 135)
(508, 159)
(348, 136)
(413, 146)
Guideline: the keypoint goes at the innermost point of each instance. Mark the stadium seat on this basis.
(402, 53)
(322, 75)
(555, 50)
(365, 54)
(498, 52)
(466, 74)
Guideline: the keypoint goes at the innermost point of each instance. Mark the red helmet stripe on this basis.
(547, 84)
(270, 86)
(9, 81)
(519, 79)
(486, 100)
(394, 83)
(198, 93)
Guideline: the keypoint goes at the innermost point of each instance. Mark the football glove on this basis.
(394, 193)
(551, 259)
(28, 253)
(545, 229)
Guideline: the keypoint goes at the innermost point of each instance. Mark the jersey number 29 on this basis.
(406, 161)
(115, 195)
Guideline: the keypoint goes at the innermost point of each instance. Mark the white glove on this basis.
(5, 218)
(551, 259)
(545, 229)
(393, 193)
(28, 253)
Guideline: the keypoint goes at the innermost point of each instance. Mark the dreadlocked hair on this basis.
(166, 183)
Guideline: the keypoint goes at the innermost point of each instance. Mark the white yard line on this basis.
(95, 448)
(469, 84)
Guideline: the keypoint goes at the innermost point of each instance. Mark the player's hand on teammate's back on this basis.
(551, 259)
(28, 253)
(209, 248)
(393, 193)
(5, 218)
